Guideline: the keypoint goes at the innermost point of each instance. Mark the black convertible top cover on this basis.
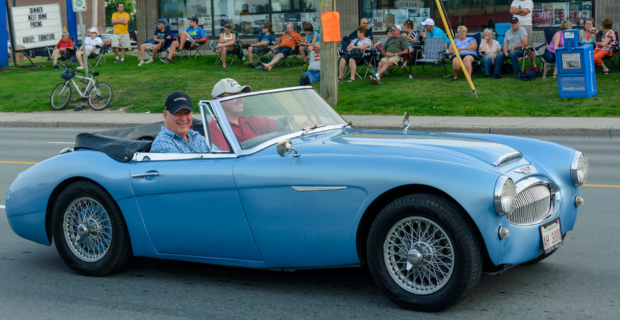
(121, 144)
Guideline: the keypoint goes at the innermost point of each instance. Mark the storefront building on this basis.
(247, 16)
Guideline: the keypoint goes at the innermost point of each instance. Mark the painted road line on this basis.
(60, 142)
(601, 185)
(18, 162)
(2, 207)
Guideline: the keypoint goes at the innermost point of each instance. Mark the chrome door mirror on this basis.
(406, 123)
(285, 147)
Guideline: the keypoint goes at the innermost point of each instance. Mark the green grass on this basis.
(145, 88)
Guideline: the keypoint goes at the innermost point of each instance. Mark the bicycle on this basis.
(97, 94)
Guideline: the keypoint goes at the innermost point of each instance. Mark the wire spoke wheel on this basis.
(419, 255)
(61, 95)
(99, 96)
(87, 229)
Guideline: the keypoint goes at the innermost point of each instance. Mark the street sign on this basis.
(37, 26)
(79, 5)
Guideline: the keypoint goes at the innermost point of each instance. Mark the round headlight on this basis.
(579, 168)
(505, 193)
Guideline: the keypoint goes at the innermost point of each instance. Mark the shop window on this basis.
(551, 13)
(246, 16)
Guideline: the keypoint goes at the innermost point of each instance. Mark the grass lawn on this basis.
(145, 88)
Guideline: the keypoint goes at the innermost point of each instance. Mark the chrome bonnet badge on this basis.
(524, 170)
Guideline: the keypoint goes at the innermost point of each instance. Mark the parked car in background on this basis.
(107, 41)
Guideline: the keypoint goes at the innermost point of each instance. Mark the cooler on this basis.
(575, 68)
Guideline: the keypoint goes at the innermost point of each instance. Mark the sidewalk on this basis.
(578, 127)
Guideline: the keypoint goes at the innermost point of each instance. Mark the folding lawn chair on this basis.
(500, 34)
(295, 55)
(194, 51)
(615, 48)
(369, 61)
(549, 33)
(98, 57)
(434, 51)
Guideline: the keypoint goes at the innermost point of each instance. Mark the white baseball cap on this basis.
(428, 22)
(228, 85)
(93, 29)
(394, 27)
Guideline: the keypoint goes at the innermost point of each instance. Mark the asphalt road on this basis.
(580, 281)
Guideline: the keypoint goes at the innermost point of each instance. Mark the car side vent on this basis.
(508, 158)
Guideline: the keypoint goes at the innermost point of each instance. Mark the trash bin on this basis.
(575, 68)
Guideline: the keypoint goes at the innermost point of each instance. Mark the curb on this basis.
(607, 133)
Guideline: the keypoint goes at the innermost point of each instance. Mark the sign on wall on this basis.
(37, 26)
(79, 5)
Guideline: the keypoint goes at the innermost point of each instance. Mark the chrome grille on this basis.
(531, 205)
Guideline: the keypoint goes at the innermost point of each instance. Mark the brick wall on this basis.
(86, 15)
(608, 9)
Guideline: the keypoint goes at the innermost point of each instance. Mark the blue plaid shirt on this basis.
(170, 142)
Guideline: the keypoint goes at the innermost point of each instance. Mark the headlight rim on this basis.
(574, 165)
(499, 193)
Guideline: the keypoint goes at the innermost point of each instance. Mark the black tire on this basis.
(100, 102)
(119, 248)
(61, 95)
(450, 223)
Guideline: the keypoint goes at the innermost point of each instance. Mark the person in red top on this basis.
(287, 42)
(244, 127)
(64, 48)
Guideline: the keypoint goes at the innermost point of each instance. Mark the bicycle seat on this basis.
(94, 73)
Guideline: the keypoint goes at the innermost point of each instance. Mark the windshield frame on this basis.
(230, 135)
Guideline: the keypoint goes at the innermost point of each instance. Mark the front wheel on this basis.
(89, 230)
(99, 96)
(61, 95)
(423, 254)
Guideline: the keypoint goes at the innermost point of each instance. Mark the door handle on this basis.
(144, 175)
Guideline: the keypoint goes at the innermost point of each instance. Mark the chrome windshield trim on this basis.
(308, 189)
(146, 156)
(203, 117)
(290, 136)
(508, 158)
(254, 93)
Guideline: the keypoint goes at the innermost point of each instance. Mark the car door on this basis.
(190, 206)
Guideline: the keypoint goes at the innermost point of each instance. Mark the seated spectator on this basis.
(227, 42)
(90, 45)
(393, 51)
(430, 31)
(586, 36)
(353, 35)
(175, 135)
(161, 39)
(557, 42)
(606, 47)
(264, 40)
(308, 41)
(412, 36)
(284, 48)
(314, 67)
(64, 48)
(489, 49)
(355, 54)
(514, 42)
(191, 39)
(381, 43)
(467, 48)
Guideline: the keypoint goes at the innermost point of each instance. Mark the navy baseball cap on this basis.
(193, 19)
(514, 20)
(160, 21)
(177, 101)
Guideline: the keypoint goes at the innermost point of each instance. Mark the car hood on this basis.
(439, 146)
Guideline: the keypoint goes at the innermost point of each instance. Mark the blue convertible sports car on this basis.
(427, 212)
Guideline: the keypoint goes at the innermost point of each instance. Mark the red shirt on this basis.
(65, 44)
(289, 40)
(248, 128)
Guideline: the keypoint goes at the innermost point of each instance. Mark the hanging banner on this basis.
(330, 22)
(37, 26)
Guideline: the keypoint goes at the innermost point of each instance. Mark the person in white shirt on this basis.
(90, 45)
(522, 10)
(314, 67)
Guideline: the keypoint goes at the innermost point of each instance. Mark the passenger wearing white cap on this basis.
(431, 31)
(92, 43)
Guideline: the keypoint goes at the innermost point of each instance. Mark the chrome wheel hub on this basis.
(418, 255)
(87, 229)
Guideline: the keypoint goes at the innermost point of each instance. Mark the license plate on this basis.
(551, 235)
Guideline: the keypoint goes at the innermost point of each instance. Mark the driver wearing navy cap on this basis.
(176, 136)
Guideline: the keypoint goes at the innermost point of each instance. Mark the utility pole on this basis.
(95, 14)
(329, 62)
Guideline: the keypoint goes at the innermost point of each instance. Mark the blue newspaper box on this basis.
(575, 67)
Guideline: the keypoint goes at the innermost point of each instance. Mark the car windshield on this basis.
(258, 118)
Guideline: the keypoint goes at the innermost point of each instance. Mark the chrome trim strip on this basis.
(508, 158)
(254, 93)
(307, 189)
(203, 116)
(144, 175)
(145, 156)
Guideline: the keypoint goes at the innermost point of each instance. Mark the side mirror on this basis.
(285, 147)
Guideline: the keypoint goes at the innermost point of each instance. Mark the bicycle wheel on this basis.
(61, 95)
(99, 96)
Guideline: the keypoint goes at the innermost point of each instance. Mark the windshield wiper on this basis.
(308, 129)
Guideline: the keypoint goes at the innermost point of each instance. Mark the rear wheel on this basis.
(61, 95)
(89, 231)
(423, 254)
(99, 96)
